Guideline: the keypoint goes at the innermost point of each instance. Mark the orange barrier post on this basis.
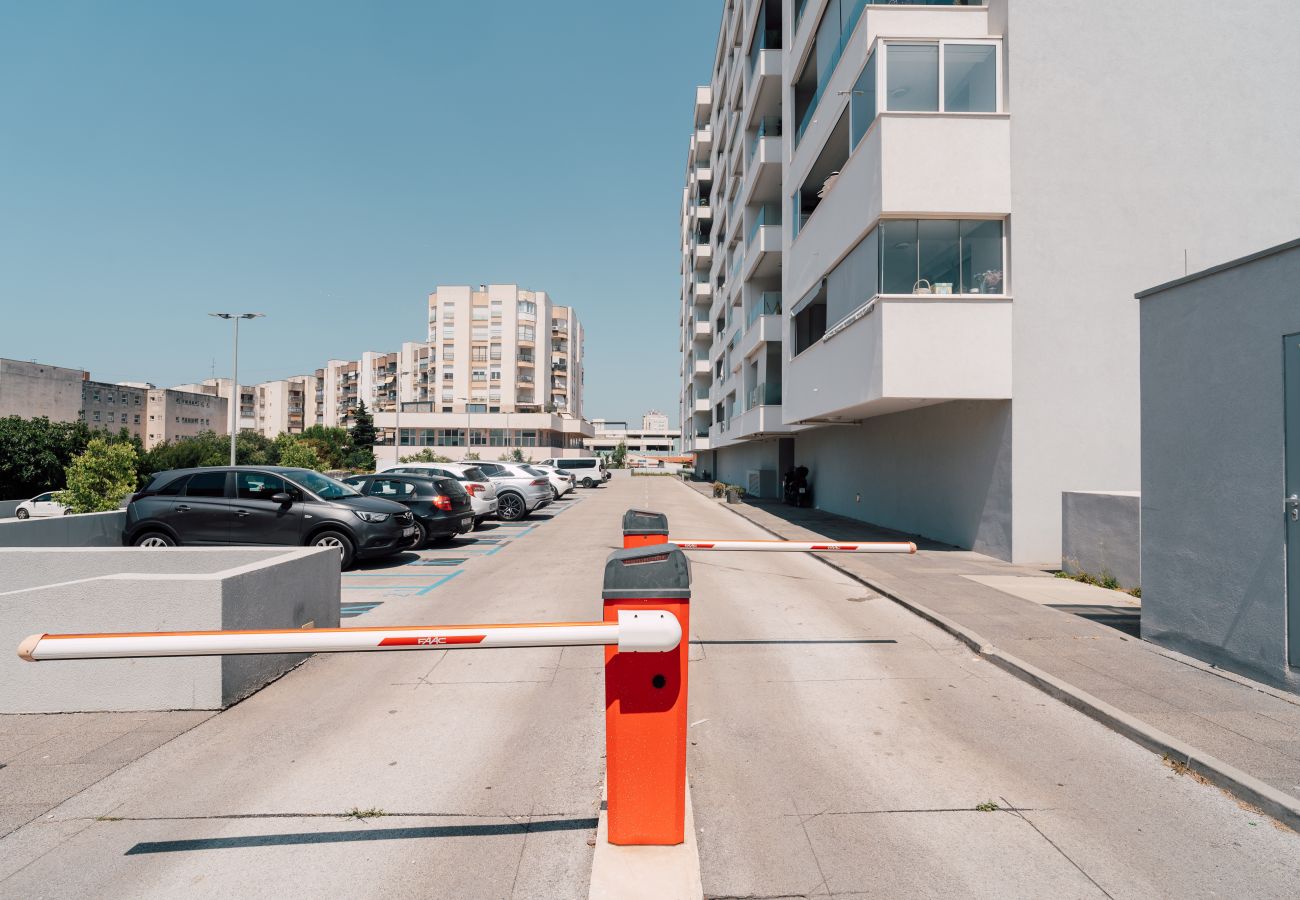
(645, 701)
(642, 527)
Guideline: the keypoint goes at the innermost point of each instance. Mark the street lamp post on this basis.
(397, 421)
(234, 375)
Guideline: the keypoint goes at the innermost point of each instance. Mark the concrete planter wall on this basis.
(8, 507)
(88, 530)
(57, 590)
(1101, 535)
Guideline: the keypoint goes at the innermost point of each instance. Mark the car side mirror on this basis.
(282, 498)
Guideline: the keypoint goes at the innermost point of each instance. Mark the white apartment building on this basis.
(911, 236)
(270, 408)
(654, 437)
(502, 369)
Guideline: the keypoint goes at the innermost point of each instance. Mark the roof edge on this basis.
(1221, 267)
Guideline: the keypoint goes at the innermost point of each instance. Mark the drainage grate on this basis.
(444, 561)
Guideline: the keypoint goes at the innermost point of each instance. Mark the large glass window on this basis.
(810, 319)
(981, 257)
(863, 101)
(942, 256)
(913, 77)
(970, 78)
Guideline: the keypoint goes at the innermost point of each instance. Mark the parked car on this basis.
(590, 470)
(482, 492)
(521, 489)
(562, 480)
(441, 506)
(265, 505)
(41, 505)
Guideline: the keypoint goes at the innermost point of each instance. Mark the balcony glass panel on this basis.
(981, 257)
(939, 254)
(766, 304)
(863, 102)
(942, 256)
(970, 78)
(913, 77)
(767, 215)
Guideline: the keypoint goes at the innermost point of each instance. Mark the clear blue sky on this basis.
(329, 164)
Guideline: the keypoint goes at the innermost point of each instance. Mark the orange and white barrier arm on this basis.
(800, 546)
(636, 631)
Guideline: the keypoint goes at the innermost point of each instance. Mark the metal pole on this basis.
(235, 398)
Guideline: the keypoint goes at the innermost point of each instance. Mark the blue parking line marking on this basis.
(440, 582)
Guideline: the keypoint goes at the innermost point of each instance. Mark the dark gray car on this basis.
(265, 505)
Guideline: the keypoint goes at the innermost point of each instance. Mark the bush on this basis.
(100, 477)
(425, 455)
(301, 455)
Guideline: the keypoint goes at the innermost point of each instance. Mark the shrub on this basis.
(100, 477)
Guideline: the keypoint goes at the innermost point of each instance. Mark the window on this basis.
(448, 311)
(478, 354)
(96, 415)
(913, 77)
(206, 484)
(947, 256)
(261, 486)
(494, 373)
(479, 314)
(809, 317)
(495, 351)
(862, 102)
(970, 78)
(479, 333)
(478, 375)
(969, 74)
(390, 488)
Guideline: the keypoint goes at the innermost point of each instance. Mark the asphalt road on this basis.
(839, 747)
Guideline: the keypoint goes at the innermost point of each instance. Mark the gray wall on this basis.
(1213, 529)
(1101, 534)
(734, 463)
(88, 530)
(8, 507)
(122, 590)
(942, 471)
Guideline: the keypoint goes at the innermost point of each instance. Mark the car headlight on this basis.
(365, 516)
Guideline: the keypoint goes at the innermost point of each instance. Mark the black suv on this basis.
(440, 504)
(265, 505)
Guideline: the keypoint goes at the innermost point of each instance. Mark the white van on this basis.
(589, 470)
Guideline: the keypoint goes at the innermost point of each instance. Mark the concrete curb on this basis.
(645, 873)
(1245, 787)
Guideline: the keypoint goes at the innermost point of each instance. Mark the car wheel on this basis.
(421, 535)
(555, 493)
(67, 512)
(478, 522)
(154, 539)
(588, 483)
(336, 540)
(511, 507)
(23, 514)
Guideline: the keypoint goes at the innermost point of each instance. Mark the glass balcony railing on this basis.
(767, 304)
(768, 126)
(767, 215)
(765, 394)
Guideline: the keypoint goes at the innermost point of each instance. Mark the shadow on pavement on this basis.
(808, 641)
(368, 834)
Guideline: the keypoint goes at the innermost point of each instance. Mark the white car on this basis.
(521, 489)
(562, 480)
(41, 505)
(482, 491)
(588, 470)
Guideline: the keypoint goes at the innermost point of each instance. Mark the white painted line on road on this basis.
(646, 873)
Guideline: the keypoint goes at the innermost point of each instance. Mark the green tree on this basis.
(517, 455)
(300, 455)
(100, 477)
(34, 454)
(362, 437)
(618, 458)
(425, 455)
(332, 444)
(472, 456)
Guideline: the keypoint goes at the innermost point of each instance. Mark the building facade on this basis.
(911, 235)
(113, 407)
(32, 389)
(175, 414)
(654, 437)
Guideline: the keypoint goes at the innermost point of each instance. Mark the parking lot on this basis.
(419, 573)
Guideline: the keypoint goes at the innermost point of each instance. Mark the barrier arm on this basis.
(635, 631)
(800, 546)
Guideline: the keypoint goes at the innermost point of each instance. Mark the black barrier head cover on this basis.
(644, 521)
(659, 571)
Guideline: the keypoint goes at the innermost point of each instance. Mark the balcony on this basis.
(899, 352)
(700, 404)
(763, 88)
(703, 142)
(763, 330)
(701, 367)
(702, 292)
(703, 103)
(763, 247)
(703, 255)
(703, 329)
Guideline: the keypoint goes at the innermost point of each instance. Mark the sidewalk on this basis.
(1240, 735)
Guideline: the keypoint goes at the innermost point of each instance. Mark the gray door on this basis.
(202, 515)
(1292, 504)
(257, 519)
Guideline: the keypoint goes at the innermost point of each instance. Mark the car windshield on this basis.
(531, 471)
(474, 473)
(322, 486)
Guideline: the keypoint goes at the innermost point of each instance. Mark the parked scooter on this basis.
(795, 487)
